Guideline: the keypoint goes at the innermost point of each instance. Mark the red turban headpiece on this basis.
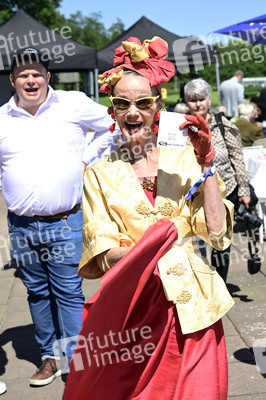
(148, 59)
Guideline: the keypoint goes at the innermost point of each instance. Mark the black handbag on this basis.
(251, 221)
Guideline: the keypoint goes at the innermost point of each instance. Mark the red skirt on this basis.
(131, 345)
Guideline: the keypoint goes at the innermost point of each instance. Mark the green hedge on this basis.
(251, 91)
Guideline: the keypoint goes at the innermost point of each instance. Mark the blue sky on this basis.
(181, 17)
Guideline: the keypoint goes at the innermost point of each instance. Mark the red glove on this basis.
(200, 140)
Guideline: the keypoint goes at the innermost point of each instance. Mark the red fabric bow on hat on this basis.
(147, 59)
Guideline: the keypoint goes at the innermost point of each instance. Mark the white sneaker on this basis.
(2, 387)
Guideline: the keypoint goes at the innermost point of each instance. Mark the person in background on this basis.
(42, 160)
(259, 104)
(181, 108)
(130, 200)
(256, 116)
(231, 93)
(229, 159)
(250, 131)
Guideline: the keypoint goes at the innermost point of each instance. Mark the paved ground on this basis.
(244, 324)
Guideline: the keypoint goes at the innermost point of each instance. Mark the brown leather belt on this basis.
(62, 215)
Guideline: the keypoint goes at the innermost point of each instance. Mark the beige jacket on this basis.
(117, 211)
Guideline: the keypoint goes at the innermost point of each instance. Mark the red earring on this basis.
(112, 127)
(157, 116)
(155, 126)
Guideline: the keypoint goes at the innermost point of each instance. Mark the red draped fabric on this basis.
(131, 345)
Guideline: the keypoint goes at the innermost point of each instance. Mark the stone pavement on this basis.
(245, 323)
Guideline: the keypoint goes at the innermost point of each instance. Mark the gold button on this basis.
(184, 297)
(178, 270)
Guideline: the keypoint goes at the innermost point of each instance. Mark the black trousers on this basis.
(221, 259)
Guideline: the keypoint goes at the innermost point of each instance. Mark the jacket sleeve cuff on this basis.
(243, 191)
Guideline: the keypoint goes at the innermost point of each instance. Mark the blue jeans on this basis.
(47, 253)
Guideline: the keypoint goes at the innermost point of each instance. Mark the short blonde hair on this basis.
(245, 110)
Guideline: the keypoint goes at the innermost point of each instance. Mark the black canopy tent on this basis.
(64, 54)
(183, 52)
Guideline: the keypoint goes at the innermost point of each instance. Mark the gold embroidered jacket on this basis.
(117, 211)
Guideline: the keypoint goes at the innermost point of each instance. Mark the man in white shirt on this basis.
(232, 94)
(42, 158)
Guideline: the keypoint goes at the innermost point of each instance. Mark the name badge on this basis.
(169, 134)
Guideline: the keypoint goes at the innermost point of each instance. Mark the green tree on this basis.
(89, 30)
(116, 29)
(45, 11)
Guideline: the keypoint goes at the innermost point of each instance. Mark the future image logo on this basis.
(132, 345)
(259, 348)
(11, 44)
(191, 51)
(199, 51)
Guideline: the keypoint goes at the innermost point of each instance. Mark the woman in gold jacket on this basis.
(129, 192)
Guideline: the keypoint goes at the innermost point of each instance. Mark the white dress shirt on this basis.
(41, 155)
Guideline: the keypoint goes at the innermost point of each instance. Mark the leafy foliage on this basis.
(88, 30)
(234, 55)
(42, 10)
(91, 31)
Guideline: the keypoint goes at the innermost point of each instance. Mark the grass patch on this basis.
(104, 100)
